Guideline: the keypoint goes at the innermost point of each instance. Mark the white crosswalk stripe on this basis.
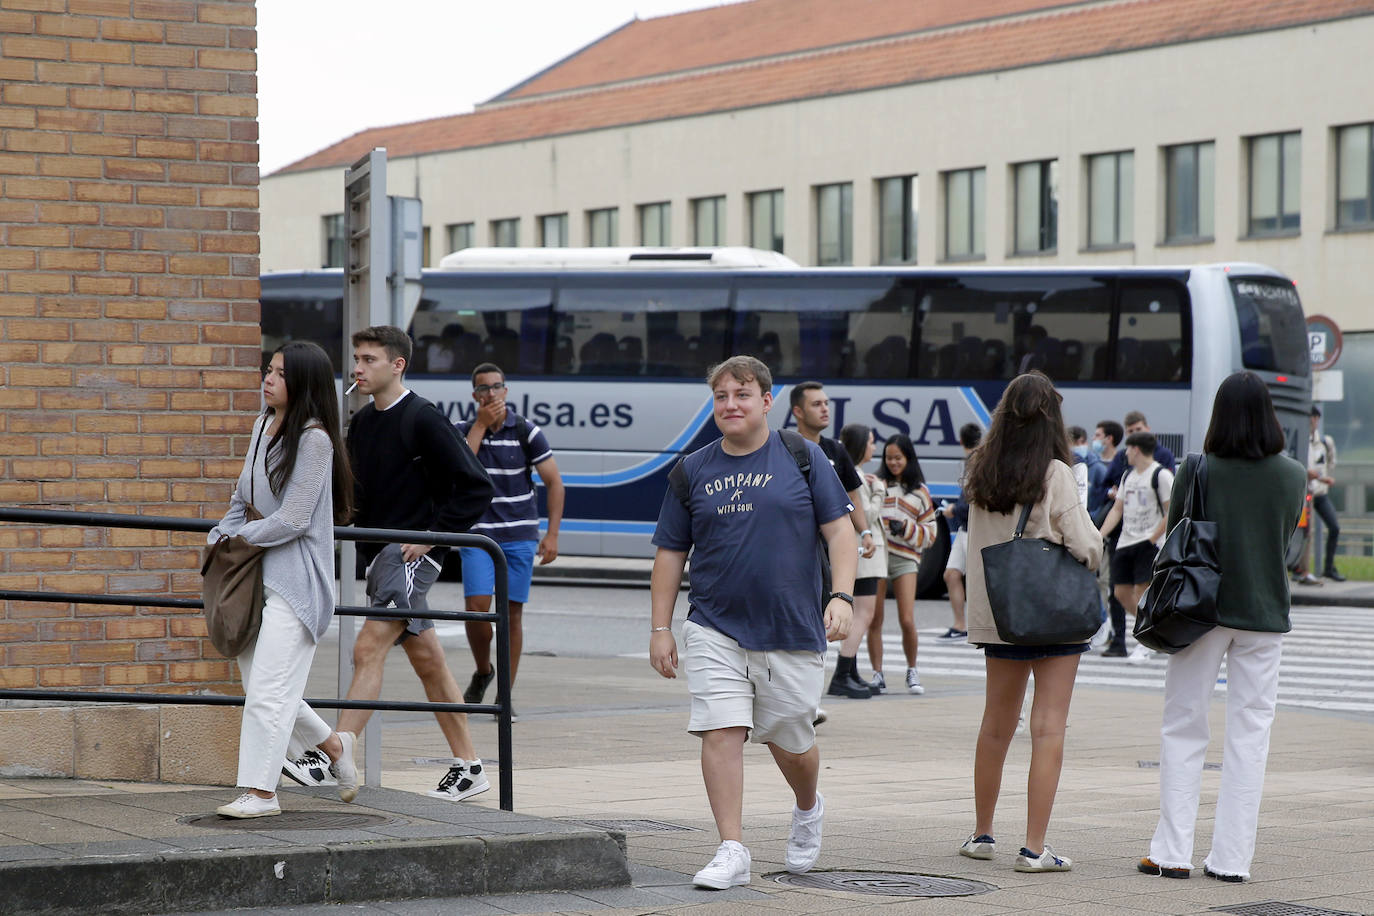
(1328, 662)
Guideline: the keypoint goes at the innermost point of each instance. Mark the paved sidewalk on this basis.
(603, 739)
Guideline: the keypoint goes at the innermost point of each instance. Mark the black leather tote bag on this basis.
(1181, 603)
(1040, 594)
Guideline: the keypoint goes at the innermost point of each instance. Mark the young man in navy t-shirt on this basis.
(755, 633)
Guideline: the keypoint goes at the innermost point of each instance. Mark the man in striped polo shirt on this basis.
(509, 447)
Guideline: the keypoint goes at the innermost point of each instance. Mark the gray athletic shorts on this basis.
(394, 583)
(774, 694)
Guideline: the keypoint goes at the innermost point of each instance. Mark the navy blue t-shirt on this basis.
(752, 530)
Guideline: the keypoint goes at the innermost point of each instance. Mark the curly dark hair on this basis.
(1026, 434)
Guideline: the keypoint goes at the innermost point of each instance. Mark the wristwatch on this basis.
(843, 596)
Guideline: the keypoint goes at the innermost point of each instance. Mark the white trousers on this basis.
(274, 670)
(1252, 681)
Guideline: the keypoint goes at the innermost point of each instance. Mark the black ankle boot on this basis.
(846, 682)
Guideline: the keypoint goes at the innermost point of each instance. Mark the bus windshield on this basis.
(1273, 333)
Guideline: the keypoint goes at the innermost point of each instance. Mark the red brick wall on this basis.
(128, 300)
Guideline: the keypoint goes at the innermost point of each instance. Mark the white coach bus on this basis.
(607, 349)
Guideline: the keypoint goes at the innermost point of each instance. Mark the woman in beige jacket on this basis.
(1023, 458)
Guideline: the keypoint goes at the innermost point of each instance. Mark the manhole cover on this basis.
(289, 820)
(1280, 908)
(639, 826)
(890, 884)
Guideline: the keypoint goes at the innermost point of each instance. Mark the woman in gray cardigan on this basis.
(297, 477)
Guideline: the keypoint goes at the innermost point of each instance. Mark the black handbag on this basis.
(231, 587)
(1181, 603)
(1040, 594)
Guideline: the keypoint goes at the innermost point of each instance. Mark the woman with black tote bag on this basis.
(1255, 494)
(1023, 459)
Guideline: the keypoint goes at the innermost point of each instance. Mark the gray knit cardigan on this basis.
(297, 527)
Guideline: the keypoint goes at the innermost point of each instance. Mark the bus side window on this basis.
(1150, 333)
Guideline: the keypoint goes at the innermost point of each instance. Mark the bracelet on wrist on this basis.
(660, 629)
(867, 532)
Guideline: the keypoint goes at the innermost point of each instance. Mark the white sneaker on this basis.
(344, 769)
(309, 769)
(1140, 654)
(463, 780)
(249, 805)
(981, 846)
(1046, 861)
(804, 841)
(913, 683)
(729, 868)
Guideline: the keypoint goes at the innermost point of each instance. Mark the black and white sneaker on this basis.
(463, 780)
(309, 769)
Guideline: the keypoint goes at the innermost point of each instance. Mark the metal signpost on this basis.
(381, 286)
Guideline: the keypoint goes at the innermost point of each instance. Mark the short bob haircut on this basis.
(1244, 424)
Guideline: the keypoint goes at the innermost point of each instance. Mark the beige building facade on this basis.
(1224, 137)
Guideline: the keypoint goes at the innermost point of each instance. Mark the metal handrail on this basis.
(501, 601)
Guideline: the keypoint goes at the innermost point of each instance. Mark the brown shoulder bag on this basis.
(232, 582)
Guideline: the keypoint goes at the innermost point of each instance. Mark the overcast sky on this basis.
(329, 68)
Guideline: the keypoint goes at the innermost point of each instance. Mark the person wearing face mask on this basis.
(1092, 463)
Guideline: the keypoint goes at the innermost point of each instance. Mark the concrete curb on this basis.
(285, 876)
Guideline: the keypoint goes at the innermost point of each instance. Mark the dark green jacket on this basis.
(1256, 505)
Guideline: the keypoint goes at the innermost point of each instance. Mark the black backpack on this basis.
(796, 446)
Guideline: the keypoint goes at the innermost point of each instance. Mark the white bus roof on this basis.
(612, 258)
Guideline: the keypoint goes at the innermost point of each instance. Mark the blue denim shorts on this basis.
(1031, 653)
(479, 574)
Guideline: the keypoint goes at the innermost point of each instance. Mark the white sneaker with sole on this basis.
(804, 841)
(309, 769)
(1046, 861)
(981, 846)
(344, 769)
(249, 805)
(463, 780)
(913, 683)
(729, 868)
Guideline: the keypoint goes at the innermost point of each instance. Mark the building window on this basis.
(459, 236)
(708, 221)
(1355, 176)
(964, 204)
(553, 230)
(1190, 182)
(603, 228)
(653, 224)
(424, 247)
(505, 233)
(765, 220)
(897, 209)
(335, 240)
(1111, 199)
(1275, 183)
(834, 224)
(1036, 216)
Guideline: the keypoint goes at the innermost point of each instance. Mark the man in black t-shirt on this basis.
(811, 410)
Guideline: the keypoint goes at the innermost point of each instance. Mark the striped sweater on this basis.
(916, 513)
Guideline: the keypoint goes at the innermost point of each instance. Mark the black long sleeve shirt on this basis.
(413, 472)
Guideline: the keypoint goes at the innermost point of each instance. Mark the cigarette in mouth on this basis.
(351, 387)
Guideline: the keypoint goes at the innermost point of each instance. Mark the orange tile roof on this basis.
(754, 30)
(1065, 33)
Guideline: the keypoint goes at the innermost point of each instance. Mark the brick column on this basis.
(128, 298)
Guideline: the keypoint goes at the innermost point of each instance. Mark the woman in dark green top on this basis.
(1255, 494)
